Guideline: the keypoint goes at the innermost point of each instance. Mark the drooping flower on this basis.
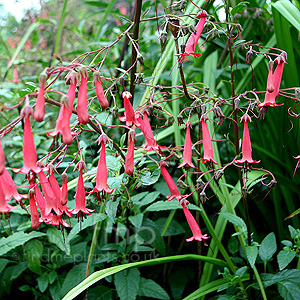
(15, 76)
(57, 220)
(197, 234)
(63, 120)
(207, 143)
(4, 207)
(102, 173)
(39, 111)
(246, 145)
(64, 189)
(99, 90)
(130, 116)
(170, 183)
(2, 159)
(271, 95)
(51, 202)
(41, 202)
(9, 187)
(187, 150)
(193, 39)
(82, 110)
(129, 160)
(80, 194)
(29, 151)
(33, 210)
(145, 126)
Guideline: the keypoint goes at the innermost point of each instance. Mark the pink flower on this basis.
(197, 234)
(41, 202)
(193, 39)
(2, 159)
(82, 110)
(15, 76)
(39, 111)
(4, 207)
(29, 151)
(151, 143)
(170, 183)
(102, 174)
(80, 194)
(129, 160)
(207, 144)
(64, 189)
(187, 150)
(246, 145)
(9, 187)
(273, 92)
(63, 120)
(57, 220)
(51, 201)
(130, 116)
(99, 90)
(33, 210)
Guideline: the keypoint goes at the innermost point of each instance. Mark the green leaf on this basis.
(55, 236)
(136, 220)
(268, 247)
(241, 271)
(295, 233)
(149, 178)
(169, 205)
(17, 239)
(43, 282)
(251, 252)
(284, 257)
(127, 283)
(3, 263)
(149, 288)
(111, 209)
(113, 163)
(289, 291)
(239, 8)
(95, 277)
(89, 221)
(115, 182)
(235, 220)
(74, 277)
(33, 252)
(144, 198)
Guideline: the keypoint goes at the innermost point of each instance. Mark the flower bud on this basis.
(65, 101)
(297, 93)
(181, 184)
(173, 24)
(237, 101)
(203, 197)
(180, 119)
(249, 55)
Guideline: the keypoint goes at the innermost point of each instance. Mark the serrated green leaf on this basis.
(17, 239)
(55, 236)
(147, 198)
(251, 253)
(235, 220)
(127, 283)
(136, 220)
(241, 271)
(169, 205)
(284, 257)
(268, 247)
(289, 291)
(115, 182)
(111, 209)
(149, 288)
(149, 178)
(33, 252)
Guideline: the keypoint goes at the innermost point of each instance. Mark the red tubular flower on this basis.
(129, 160)
(207, 144)
(41, 202)
(197, 234)
(29, 151)
(82, 110)
(130, 116)
(102, 174)
(15, 76)
(187, 150)
(193, 39)
(80, 194)
(271, 95)
(4, 207)
(64, 189)
(99, 90)
(39, 111)
(2, 159)
(9, 187)
(51, 201)
(57, 220)
(170, 183)
(246, 145)
(63, 120)
(33, 210)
